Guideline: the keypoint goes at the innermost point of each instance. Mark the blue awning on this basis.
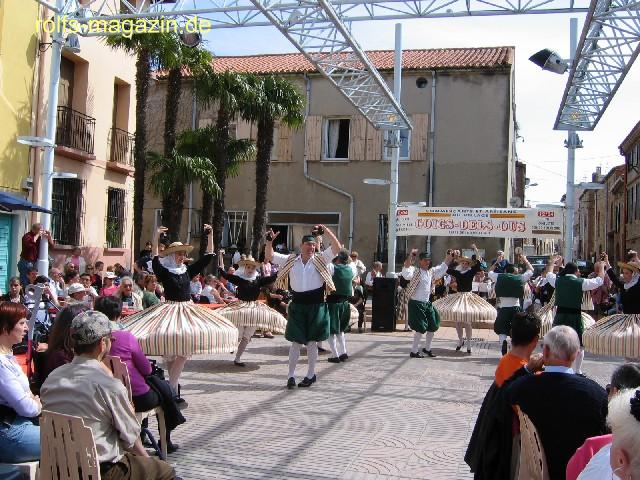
(9, 202)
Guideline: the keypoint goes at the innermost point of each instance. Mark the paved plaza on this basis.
(380, 416)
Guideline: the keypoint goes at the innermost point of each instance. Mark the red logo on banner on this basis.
(547, 214)
(402, 212)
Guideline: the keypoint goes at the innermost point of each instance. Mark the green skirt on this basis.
(307, 323)
(423, 317)
(573, 320)
(502, 325)
(339, 317)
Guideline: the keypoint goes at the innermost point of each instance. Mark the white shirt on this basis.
(423, 291)
(207, 291)
(587, 284)
(236, 258)
(196, 288)
(360, 267)
(15, 391)
(509, 301)
(370, 276)
(558, 369)
(304, 277)
(599, 467)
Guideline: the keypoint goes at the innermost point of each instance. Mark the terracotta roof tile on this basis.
(434, 59)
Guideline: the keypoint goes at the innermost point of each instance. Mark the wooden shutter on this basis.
(418, 146)
(313, 140)
(285, 144)
(357, 137)
(373, 143)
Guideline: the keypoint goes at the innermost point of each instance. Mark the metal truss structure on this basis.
(609, 44)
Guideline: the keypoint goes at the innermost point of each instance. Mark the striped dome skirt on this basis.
(617, 336)
(465, 307)
(587, 302)
(183, 329)
(254, 314)
(548, 312)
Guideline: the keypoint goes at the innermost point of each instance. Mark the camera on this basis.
(269, 236)
(164, 238)
(602, 256)
(317, 231)
(208, 230)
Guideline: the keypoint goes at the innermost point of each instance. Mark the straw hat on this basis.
(459, 260)
(249, 261)
(633, 266)
(176, 247)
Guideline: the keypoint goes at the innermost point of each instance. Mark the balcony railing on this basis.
(122, 146)
(75, 130)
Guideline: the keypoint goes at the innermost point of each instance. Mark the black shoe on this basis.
(171, 447)
(360, 330)
(458, 347)
(468, 350)
(291, 383)
(307, 382)
(239, 364)
(416, 355)
(582, 374)
(333, 360)
(344, 357)
(504, 347)
(145, 441)
(179, 400)
(322, 350)
(429, 353)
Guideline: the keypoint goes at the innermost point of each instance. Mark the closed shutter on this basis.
(373, 143)
(313, 138)
(285, 144)
(5, 249)
(419, 135)
(357, 138)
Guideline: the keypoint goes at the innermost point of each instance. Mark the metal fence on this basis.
(122, 146)
(75, 130)
(116, 202)
(68, 211)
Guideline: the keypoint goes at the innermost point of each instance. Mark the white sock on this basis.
(241, 347)
(332, 345)
(427, 343)
(469, 330)
(577, 363)
(177, 365)
(294, 355)
(416, 342)
(501, 338)
(459, 332)
(312, 357)
(342, 338)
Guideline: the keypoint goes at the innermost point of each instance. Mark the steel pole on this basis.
(57, 40)
(395, 159)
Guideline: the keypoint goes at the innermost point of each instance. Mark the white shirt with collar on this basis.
(599, 467)
(423, 291)
(303, 277)
(587, 283)
(509, 301)
(558, 369)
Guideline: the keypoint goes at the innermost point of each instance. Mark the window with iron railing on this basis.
(116, 201)
(75, 130)
(122, 146)
(68, 210)
(235, 229)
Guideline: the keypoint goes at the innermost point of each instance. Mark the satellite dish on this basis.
(515, 202)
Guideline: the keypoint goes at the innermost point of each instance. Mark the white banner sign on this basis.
(479, 222)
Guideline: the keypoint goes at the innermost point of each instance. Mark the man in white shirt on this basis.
(423, 318)
(359, 264)
(309, 279)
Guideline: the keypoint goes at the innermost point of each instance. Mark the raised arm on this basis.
(269, 237)
(156, 240)
(335, 243)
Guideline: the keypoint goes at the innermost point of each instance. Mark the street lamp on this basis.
(376, 181)
(35, 142)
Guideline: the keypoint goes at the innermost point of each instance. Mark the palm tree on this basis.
(196, 60)
(204, 142)
(234, 96)
(279, 101)
(149, 48)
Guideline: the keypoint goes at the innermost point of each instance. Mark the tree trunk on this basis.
(173, 201)
(263, 164)
(143, 74)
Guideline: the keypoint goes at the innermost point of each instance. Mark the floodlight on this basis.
(72, 44)
(191, 39)
(35, 141)
(550, 60)
(376, 181)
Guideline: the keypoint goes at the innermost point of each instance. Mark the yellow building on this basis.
(18, 67)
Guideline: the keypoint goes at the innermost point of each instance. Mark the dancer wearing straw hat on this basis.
(423, 317)
(509, 289)
(465, 307)
(569, 288)
(179, 328)
(308, 277)
(619, 334)
(248, 314)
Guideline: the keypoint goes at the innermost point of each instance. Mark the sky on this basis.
(538, 93)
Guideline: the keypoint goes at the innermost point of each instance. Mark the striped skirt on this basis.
(587, 302)
(465, 307)
(182, 328)
(402, 314)
(254, 314)
(617, 336)
(548, 312)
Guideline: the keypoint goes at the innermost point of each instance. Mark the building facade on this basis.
(461, 105)
(630, 149)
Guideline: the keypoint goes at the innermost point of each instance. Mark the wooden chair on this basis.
(121, 372)
(533, 462)
(68, 451)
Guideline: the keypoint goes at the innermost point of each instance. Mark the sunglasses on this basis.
(89, 268)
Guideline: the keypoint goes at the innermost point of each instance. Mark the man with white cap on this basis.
(86, 388)
(77, 294)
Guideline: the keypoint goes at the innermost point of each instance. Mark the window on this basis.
(637, 188)
(235, 229)
(405, 137)
(196, 223)
(336, 138)
(633, 156)
(67, 207)
(115, 217)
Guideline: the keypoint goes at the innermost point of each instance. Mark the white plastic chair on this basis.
(533, 461)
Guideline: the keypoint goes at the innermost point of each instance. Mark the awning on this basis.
(9, 203)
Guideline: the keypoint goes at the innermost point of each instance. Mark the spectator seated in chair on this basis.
(126, 294)
(624, 420)
(86, 388)
(149, 297)
(108, 285)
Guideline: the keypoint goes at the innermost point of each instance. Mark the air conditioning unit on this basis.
(27, 184)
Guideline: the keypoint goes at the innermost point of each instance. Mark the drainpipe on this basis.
(333, 188)
(432, 138)
(194, 115)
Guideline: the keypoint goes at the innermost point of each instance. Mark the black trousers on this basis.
(146, 401)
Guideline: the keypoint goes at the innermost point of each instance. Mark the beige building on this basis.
(317, 172)
(94, 139)
(630, 149)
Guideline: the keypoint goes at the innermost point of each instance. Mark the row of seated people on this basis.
(77, 382)
(587, 432)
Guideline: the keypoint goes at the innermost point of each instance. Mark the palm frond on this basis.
(180, 169)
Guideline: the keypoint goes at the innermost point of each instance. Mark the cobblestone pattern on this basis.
(381, 415)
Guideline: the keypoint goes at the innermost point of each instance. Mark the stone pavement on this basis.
(379, 416)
